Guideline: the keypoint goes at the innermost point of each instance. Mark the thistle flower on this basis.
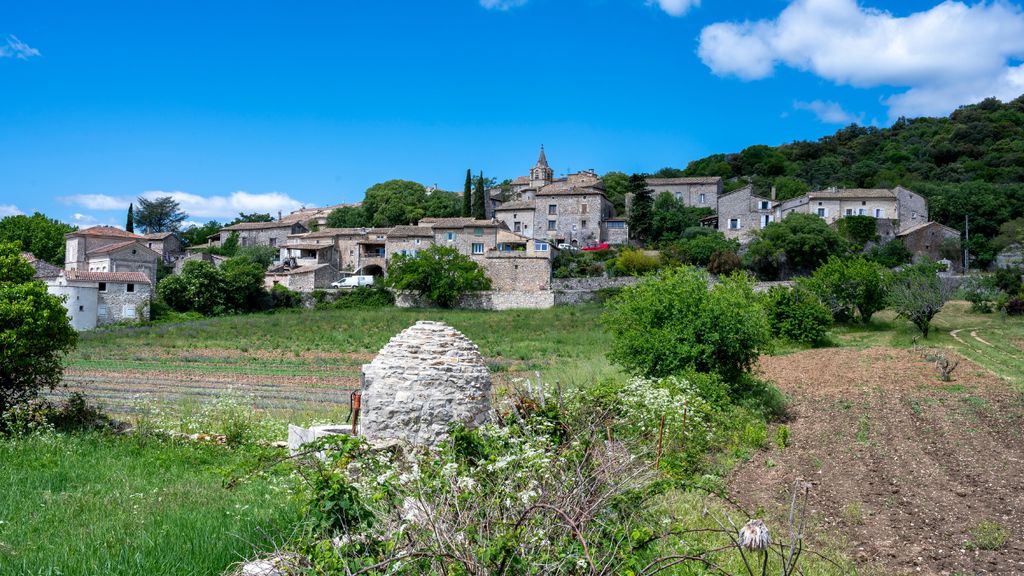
(754, 536)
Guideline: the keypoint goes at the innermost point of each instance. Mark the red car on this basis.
(597, 248)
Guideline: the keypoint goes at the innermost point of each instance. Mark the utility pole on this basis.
(967, 238)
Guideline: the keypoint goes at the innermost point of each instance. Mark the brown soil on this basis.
(904, 466)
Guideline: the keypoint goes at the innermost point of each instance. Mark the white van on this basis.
(353, 282)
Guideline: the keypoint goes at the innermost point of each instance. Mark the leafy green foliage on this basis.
(363, 297)
(616, 185)
(702, 244)
(282, 297)
(631, 262)
(42, 236)
(723, 263)
(253, 217)
(159, 215)
(671, 218)
(796, 314)
(890, 254)
(849, 286)
(198, 288)
(579, 264)
(35, 333)
(1008, 280)
(673, 322)
(129, 225)
(241, 284)
(347, 217)
(196, 235)
(480, 198)
(438, 273)
(394, 202)
(262, 255)
(858, 230)
(641, 216)
(796, 244)
(917, 293)
(467, 194)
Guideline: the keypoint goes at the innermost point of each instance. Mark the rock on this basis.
(297, 435)
(278, 565)
(426, 378)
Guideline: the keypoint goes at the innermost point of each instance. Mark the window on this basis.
(913, 215)
(102, 311)
(103, 286)
(765, 219)
(273, 241)
(552, 224)
(451, 236)
(702, 198)
(134, 250)
(734, 224)
(542, 246)
(150, 245)
(764, 204)
(552, 209)
(128, 311)
(616, 225)
(517, 227)
(849, 211)
(879, 213)
(129, 288)
(478, 248)
(478, 231)
(583, 224)
(584, 208)
(822, 212)
(417, 241)
(81, 308)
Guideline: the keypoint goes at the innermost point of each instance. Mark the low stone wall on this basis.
(592, 284)
(484, 300)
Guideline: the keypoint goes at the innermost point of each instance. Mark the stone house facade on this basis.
(909, 208)
(1010, 257)
(120, 296)
(695, 192)
(272, 234)
(167, 244)
(468, 236)
(108, 249)
(303, 278)
(742, 212)
(933, 241)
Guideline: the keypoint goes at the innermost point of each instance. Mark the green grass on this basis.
(87, 504)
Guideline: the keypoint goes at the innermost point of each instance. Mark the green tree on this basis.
(42, 236)
(35, 333)
(796, 244)
(849, 286)
(199, 288)
(129, 225)
(441, 204)
(439, 273)
(394, 203)
(467, 195)
(196, 235)
(917, 293)
(891, 254)
(671, 218)
(480, 198)
(674, 322)
(254, 217)
(348, 217)
(699, 249)
(159, 215)
(641, 215)
(796, 314)
(616, 186)
(242, 284)
(858, 230)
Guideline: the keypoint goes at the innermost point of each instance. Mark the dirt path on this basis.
(904, 466)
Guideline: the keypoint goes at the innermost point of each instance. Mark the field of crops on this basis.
(307, 362)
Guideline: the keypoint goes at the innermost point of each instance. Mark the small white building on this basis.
(81, 298)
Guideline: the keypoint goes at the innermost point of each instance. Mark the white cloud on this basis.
(949, 55)
(501, 4)
(674, 7)
(15, 48)
(196, 206)
(9, 210)
(83, 219)
(828, 112)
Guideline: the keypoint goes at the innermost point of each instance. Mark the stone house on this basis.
(1010, 257)
(108, 249)
(933, 241)
(518, 263)
(695, 192)
(742, 212)
(905, 206)
(408, 240)
(295, 254)
(468, 236)
(214, 259)
(303, 278)
(273, 234)
(167, 244)
(518, 216)
(120, 296)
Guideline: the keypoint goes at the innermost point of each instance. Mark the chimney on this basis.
(279, 216)
(773, 193)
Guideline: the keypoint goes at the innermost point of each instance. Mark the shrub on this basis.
(981, 292)
(917, 293)
(672, 322)
(635, 263)
(282, 297)
(890, 254)
(1014, 306)
(364, 297)
(438, 273)
(35, 333)
(1008, 280)
(849, 285)
(573, 264)
(198, 288)
(797, 243)
(796, 314)
(724, 263)
(699, 248)
(858, 230)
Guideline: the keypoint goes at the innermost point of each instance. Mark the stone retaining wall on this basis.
(593, 284)
(484, 300)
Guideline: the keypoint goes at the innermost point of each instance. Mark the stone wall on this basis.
(116, 304)
(425, 379)
(512, 272)
(484, 300)
(592, 284)
(577, 217)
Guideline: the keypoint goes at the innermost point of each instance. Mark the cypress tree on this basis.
(467, 195)
(479, 202)
(641, 210)
(130, 224)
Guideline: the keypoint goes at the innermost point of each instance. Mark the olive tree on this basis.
(35, 332)
(918, 293)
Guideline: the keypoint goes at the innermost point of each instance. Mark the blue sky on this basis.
(270, 105)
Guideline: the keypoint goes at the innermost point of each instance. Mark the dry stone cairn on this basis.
(426, 378)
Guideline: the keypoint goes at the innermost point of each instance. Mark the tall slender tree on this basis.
(130, 224)
(641, 211)
(479, 199)
(467, 195)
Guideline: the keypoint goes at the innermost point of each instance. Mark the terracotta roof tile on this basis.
(108, 231)
(119, 277)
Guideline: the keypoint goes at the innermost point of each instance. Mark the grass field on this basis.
(94, 504)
